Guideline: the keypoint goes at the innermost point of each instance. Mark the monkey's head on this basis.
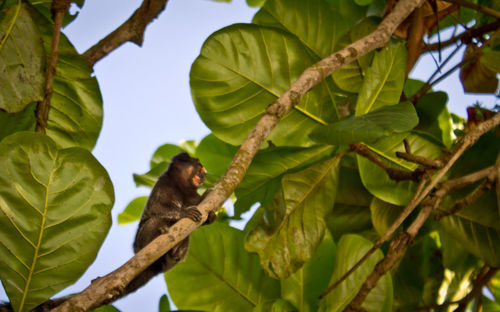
(187, 171)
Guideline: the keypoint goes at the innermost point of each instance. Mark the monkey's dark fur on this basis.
(174, 196)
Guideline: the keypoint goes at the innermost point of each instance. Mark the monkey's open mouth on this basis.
(197, 180)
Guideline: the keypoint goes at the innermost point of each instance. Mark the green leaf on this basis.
(54, 215)
(164, 304)
(303, 288)
(476, 227)
(418, 276)
(383, 215)
(75, 116)
(350, 76)
(106, 308)
(215, 154)
(22, 60)
(293, 224)
(349, 250)
(22, 121)
(241, 70)
(149, 178)
(384, 79)
(133, 210)
(376, 180)
(491, 60)
(351, 212)
(479, 239)
(317, 24)
(44, 7)
(435, 118)
(160, 161)
(276, 305)
(369, 127)
(268, 166)
(223, 277)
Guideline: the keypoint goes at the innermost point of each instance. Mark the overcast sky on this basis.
(147, 103)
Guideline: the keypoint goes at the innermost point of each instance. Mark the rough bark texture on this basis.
(132, 30)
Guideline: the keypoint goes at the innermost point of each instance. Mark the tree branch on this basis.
(400, 243)
(59, 8)
(393, 173)
(476, 7)
(131, 30)
(465, 36)
(105, 288)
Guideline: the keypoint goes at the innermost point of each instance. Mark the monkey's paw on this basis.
(192, 213)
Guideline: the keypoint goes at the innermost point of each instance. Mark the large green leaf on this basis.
(351, 212)
(349, 250)
(435, 118)
(368, 127)
(477, 226)
(384, 79)
(376, 180)
(268, 166)
(418, 276)
(293, 224)
(350, 76)
(303, 287)
(54, 214)
(316, 23)
(241, 70)
(383, 215)
(133, 210)
(480, 240)
(22, 59)
(218, 274)
(22, 121)
(75, 116)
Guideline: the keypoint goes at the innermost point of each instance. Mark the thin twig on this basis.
(399, 244)
(476, 7)
(131, 30)
(426, 162)
(465, 36)
(59, 8)
(426, 87)
(394, 174)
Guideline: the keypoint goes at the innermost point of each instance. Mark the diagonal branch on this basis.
(131, 30)
(400, 243)
(476, 7)
(104, 289)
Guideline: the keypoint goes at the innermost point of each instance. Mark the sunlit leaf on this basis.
(54, 214)
(368, 127)
(223, 277)
(376, 180)
(303, 287)
(293, 224)
(75, 116)
(133, 210)
(349, 250)
(384, 79)
(22, 59)
(241, 70)
(314, 22)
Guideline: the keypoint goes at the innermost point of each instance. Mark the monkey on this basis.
(174, 196)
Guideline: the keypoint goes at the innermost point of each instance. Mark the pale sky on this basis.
(147, 102)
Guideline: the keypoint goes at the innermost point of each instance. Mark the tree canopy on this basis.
(368, 194)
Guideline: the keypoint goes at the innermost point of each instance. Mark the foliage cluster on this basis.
(319, 205)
